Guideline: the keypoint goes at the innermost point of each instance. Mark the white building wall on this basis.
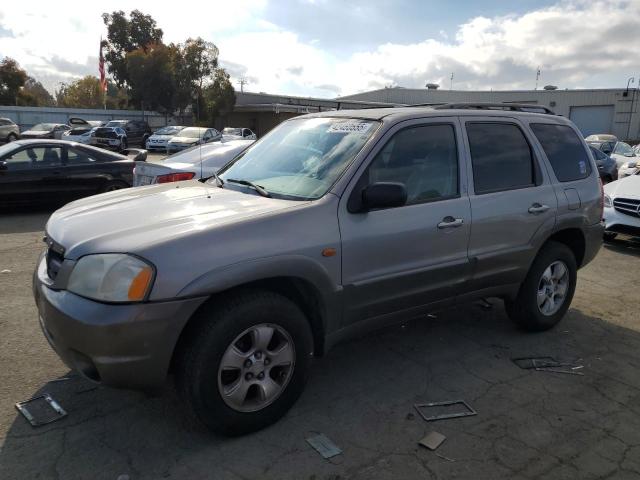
(560, 101)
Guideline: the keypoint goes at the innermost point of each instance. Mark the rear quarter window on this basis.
(565, 151)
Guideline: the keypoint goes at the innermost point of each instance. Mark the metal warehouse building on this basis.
(593, 111)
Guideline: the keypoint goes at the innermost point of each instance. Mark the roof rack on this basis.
(515, 107)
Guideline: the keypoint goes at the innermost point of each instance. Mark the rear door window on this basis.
(565, 151)
(500, 156)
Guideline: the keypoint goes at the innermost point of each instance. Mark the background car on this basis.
(622, 207)
(160, 138)
(113, 138)
(81, 130)
(55, 171)
(231, 133)
(621, 152)
(138, 131)
(46, 130)
(192, 136)
(9, 131)
(601, 137)
(607, 167)
(193, 163)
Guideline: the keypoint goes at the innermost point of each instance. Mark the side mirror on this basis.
(139, 155)
(629, 154)
(3, 166)
(383, 195)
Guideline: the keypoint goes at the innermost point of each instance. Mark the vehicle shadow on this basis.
(24, 219)
(361, 395)
(624, 244)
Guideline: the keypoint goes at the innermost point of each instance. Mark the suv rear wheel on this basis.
(245, 361)
(546, 293)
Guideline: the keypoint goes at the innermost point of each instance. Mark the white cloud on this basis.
(576, 43)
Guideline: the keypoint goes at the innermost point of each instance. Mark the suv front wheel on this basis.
(244, 361)
(546, 293)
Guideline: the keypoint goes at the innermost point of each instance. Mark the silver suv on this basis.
(331, 225)
(9, 131)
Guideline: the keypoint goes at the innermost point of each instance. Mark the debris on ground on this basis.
(5, 271)
(467, 411)
(547, 364)
(432, 440)
(410, 416)
(41, 410)
(444, 458)
(324, 446)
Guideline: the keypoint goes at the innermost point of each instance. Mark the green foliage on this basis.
(219, 96)
(124, 35)
(152, 78)
(35, 95)
(12, 79)
(86, 93)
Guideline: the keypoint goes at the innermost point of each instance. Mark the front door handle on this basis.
(538, 208)
(450, 222)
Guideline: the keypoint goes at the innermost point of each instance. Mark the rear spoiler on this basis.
(139, 154)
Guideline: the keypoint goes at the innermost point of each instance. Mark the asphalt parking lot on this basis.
(530, 424)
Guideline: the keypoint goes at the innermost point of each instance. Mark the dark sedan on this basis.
(607, 166)
(54, 171)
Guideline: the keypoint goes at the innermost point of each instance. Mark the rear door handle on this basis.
(450, 222)
(537, 208)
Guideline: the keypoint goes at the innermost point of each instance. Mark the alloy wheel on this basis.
(553, 287)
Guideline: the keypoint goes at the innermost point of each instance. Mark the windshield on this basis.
(172, 130)
(232, 131)
(193, 132)
(116, 123)
(623, 149)
(43, 127)
(302, 158)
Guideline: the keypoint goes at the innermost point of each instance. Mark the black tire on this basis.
(609, 236)
(524, 310)
(113, 185)
(144, 141)
(212, 331)
(124, 145)
(12, 137)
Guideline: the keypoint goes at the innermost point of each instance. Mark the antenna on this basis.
(243, 81)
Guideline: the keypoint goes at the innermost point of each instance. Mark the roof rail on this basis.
(515, 107)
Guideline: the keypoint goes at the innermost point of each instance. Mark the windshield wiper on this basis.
(258, 188)
(219, 181)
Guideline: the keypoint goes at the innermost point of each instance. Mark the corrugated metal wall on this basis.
(26, 117)
(560, 101)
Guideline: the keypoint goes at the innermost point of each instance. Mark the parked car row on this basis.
(176, 138)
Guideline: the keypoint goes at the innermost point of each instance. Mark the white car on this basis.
(192, 136)
(160, 138)
(231, 133)
(621, 152)
(81, 130)
(622, 207)
(201, 162)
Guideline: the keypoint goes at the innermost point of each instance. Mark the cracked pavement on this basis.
(529, 425)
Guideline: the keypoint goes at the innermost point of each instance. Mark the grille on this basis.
(628, 206)
(55, 257)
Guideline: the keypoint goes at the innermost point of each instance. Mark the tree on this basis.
(12, 79)
(201, 61)
(34, 94)
(124, 35)
(152, 79)
(219, 96)
(86, 93)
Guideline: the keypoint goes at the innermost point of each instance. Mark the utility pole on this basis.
(451, 84)
(538, 72)
(243, 81)
(633, 96)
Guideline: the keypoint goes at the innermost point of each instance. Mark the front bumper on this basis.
(156, 145)
(120, 345)
(618, 222)
(111, 143)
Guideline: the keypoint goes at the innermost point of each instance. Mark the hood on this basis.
(36, 133)
(628, 187)
(135, 220)
(184, 140)
(161, 137)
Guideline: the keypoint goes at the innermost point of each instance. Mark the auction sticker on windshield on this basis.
(350, 126)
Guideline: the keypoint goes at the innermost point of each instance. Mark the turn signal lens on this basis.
(140, 284)
(175, 177)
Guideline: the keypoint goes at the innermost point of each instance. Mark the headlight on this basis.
(607, 201)
(111, 277)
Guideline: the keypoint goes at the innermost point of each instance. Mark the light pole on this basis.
(626, 94)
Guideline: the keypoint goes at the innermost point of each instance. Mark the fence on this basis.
(26, 117)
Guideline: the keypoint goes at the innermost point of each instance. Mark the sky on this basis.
(328, 48)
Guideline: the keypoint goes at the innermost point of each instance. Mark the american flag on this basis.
(103, 78)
